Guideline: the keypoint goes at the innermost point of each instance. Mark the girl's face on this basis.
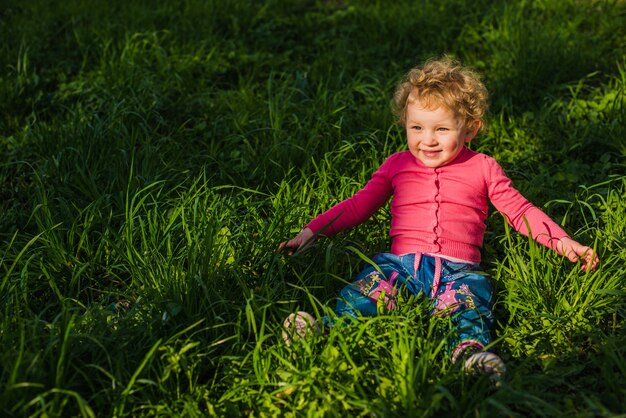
(436, 136)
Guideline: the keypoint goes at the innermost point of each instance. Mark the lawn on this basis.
(153, 155)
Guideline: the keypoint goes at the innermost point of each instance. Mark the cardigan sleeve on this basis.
(358, 208)
(522, 215)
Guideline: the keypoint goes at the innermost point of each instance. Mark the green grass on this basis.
(154, 155)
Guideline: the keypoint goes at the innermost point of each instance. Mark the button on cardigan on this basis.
(442, 210)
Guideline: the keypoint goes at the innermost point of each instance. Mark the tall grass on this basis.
(153, 157)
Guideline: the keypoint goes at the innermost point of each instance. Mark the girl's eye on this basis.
(417, 128)
(442, 129)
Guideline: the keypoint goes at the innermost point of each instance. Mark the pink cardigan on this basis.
(440, 210)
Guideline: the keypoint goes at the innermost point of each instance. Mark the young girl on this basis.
(440, 192)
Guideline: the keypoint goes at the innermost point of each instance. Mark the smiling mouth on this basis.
(430, 153)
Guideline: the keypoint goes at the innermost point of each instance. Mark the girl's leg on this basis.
(466, 296)
(374, 283)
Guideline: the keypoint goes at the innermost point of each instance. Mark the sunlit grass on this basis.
(153, 157)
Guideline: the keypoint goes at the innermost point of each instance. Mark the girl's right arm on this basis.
(300, 241)
(348, 213)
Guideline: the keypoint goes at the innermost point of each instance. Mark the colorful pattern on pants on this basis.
(457, 289)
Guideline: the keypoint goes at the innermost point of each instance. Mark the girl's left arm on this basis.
(575, 251)
(530, 220)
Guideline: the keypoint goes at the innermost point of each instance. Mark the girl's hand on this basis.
(575, 251)
(299, 242)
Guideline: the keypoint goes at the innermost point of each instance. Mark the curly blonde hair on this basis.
(443, 82)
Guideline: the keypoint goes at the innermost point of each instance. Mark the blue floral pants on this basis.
(456, 289)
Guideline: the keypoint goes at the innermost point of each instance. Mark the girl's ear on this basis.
(472, 130)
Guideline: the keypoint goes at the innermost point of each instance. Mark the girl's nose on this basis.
(429, 138)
